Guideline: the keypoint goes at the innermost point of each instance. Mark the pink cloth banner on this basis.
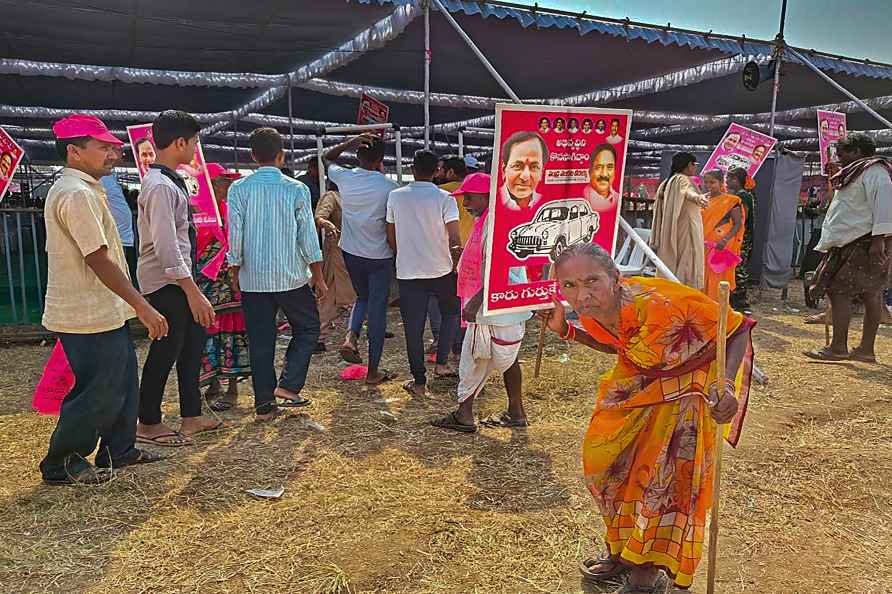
(740, 147)
(831, 127)
(55, 383)
(10, 156)
(557, 173)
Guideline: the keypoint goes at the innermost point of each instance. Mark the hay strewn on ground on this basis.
(381, 502)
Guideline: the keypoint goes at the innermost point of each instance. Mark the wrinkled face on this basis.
(731, 141)
(146, 155)
(589, 289)
(97, 158)
(523, 171)
(475, 203)
(713, 185)
(603, 172)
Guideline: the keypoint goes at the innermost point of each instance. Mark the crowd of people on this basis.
(649, 452)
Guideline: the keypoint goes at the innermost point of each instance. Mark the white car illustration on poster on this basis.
(556, 226)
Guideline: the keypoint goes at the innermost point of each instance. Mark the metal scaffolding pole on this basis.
(399, 154)
(427, 75)
(779, 57)
(461, 143)
(235, 141)
(291, 118)
(841, 88)
(321, 163)
(477, 51)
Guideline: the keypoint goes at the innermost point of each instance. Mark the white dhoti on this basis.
(486, 349)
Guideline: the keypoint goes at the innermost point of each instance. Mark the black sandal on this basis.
(450, 421)
(617, 570)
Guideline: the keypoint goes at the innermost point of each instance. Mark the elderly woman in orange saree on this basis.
(723, 229)
(649, 452)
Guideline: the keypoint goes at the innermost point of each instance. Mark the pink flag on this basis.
(54, 385)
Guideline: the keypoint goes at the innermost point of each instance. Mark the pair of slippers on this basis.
(500, 420)
(825, 354)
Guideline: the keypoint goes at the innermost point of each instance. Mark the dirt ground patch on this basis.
(379, 501)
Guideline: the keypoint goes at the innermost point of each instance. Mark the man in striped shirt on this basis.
(275, 255)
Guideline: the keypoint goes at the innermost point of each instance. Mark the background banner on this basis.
(557, 174)
(831, 127)
(10, 156)
(740, 147)
(195, 174)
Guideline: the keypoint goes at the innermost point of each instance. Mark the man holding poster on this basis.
(548, 192)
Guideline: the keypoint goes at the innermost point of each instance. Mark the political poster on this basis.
(740, 147)
(206, 214)
(831, 127)
(372, 111)
(557, 174)
(10, 156)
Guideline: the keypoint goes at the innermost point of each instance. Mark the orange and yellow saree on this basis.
(717, 225)
(649, 452)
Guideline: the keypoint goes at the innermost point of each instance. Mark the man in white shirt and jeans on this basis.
(856, 238)
(367, 255)
(422, 229)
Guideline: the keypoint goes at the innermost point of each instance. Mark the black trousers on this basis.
(414, 294)
(183, 345)
(102, 404)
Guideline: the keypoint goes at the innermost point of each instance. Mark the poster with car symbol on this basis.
(557, 173)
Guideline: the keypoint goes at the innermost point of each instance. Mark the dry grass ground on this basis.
(379, 501)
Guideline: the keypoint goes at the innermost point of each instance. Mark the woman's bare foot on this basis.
(201, 424)
(153, 431)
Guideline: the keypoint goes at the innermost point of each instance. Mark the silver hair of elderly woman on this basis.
(589, 250)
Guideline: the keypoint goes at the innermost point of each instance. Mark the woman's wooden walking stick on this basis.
(721, 339)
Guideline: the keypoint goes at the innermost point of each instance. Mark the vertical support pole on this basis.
(321, 162)
(427, 76)
(779, 57)
(36, 260)
(8, 252)
(18, 222)
(461, 143)
(291, 118)
(399, 154)
(235, 141)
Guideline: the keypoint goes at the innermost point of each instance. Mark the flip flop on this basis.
(386, 376)
(408, 387)
(502, 419)
(617, 570)
(350, 355)
(825, 354)
(450, 421)
(856, 355)
(221, 405)
(219, 425)
(142, 457)
(171, 439)
(298, 402)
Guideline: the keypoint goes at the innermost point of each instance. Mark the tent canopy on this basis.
(217, 57)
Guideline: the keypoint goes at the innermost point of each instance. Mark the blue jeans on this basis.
(413, 307)
(102, 404)
(371, 281)
(299, 307)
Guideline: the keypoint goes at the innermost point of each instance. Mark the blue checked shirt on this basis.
(272, 233)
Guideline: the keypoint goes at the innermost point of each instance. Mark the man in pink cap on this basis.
(89, 300)
(491, 343)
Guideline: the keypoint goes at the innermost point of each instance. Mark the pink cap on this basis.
(77, 125)
(216, 170)
(477, 183)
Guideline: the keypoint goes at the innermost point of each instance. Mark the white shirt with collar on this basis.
(864, 207)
